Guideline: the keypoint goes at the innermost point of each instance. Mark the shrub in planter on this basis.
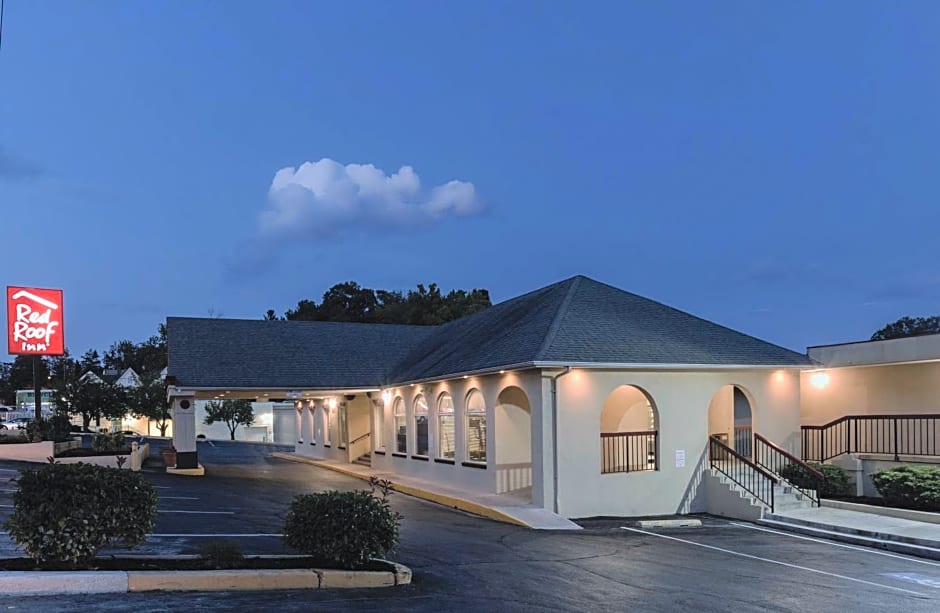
(56, 428)
(106, 442)
(836, 482)
(341, 529)
(910, 487)
(65, 512)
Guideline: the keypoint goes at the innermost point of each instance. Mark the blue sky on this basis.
(769, 167)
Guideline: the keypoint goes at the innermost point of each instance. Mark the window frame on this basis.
(479, 415)
(441, 415)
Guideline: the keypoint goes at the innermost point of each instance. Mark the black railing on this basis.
(773, 458)
(625, 452)
(752, 478)
(742, 440)
(894, 435)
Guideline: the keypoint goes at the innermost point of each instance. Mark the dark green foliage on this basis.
(66, 512)
(908, 326)
(343, 529)
(105, 442)
(836, 482)
(222, 554)
(232, 413)
(910, 487)
(149, 400)
(422, 306)
(56, 428)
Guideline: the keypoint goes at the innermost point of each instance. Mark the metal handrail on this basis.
(902, 434)
(359, 438)
(758, 482)
(774, 458)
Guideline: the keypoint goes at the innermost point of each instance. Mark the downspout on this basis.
(555, 432)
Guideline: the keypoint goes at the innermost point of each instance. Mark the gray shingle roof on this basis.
(578, 320)
(250, 353)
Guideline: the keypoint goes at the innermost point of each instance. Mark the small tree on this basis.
(233, 413)
(908, 326)
(149, 400)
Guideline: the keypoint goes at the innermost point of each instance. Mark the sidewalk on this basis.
(507, 508)
(869, 529)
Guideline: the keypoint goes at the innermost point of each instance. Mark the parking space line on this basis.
(842, 545)
(778, 562)
(198, 512)
(166, 535)
(178, 498)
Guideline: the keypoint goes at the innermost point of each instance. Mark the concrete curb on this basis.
(188, 472)
(924, 516)
(101, 582)
(443, 499)
(668, 523)
(921, 548)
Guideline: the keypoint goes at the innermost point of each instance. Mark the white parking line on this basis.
(178, 498)
(198, 512)
(9, 470)
(842, 545)
(211, 535)
(778, 562)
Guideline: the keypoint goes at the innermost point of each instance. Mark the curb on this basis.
(39, 582)
(876, 541)
(924, 516)
(668, 523)
(443, 499)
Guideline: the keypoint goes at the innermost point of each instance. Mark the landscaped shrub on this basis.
(222, 554)
(910, 487)
(836, 482)
(109, 442)
(342, 529)
(56, 428)
(65, 512)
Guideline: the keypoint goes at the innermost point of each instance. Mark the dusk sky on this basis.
(772, 167)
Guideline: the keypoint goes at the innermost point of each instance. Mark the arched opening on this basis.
(629, 431)
(730, 416)
(513, 416)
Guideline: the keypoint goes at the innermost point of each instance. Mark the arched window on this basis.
(401, 426)
(421, 425)
(476, 427)
(445, 427)
(629, 431)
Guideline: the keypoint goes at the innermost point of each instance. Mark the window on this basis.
(445, 430)
(327, 438)
(401, 427)
(341, 423)
(421, 425)
(476, 427)
(378, 428)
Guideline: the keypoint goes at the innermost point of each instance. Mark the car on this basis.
(19, 422)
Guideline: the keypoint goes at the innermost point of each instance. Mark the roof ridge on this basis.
(559, 315)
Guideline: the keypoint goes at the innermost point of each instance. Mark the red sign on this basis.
(34, 321)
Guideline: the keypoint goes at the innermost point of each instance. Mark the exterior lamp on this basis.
(331, 402)
(386, 396)
(819, 379)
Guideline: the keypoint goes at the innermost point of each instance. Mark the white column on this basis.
(298, 429)
(183, 410)
(306, 420)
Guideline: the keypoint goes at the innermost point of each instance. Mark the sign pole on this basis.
(37, 387)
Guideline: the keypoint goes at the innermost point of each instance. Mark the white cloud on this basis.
(326, 197)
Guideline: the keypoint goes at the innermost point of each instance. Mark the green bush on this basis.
(341, 529)
(65, 512)
(222, 554)
(108, 442)
(910, 487)
(836, 482)
(56, 428)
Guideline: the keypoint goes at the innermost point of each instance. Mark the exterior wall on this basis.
(682, 401)
(871, 390)
(261, 430)
(285, 423)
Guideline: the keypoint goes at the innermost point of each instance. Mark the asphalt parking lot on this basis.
(467, 563)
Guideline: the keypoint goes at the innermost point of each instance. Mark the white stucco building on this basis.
(583, 398)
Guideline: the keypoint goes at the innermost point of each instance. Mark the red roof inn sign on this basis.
(34, 321)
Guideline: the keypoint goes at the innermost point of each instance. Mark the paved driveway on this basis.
(467, 563)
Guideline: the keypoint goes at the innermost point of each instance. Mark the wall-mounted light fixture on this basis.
(331, 402)
(386, 396)
(819, 379)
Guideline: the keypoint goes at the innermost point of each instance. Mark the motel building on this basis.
(574, 400)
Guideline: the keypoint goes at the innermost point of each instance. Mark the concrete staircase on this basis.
(364, 460)
(747, 506)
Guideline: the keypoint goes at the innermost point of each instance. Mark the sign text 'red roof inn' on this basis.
(34, 321)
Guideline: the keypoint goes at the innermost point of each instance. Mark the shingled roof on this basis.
(253, 353)
(576, 321)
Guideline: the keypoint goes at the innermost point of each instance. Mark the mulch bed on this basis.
(154, 563)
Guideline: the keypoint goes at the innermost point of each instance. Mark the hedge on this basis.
(910, 487)
(836, 482)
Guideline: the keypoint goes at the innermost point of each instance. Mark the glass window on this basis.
(378, 428)
(341, 435)
(327, 438)
(445, 430)
(421, 425)
(401, 427)
(476, 427)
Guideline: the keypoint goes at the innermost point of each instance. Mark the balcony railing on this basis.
(625, 452)
(894, 435)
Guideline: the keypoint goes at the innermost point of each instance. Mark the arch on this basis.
(400, 424)
(475, 413)
(420, 413)
(446, 427)
(513, 440)
(731, 416)
(629, 431)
